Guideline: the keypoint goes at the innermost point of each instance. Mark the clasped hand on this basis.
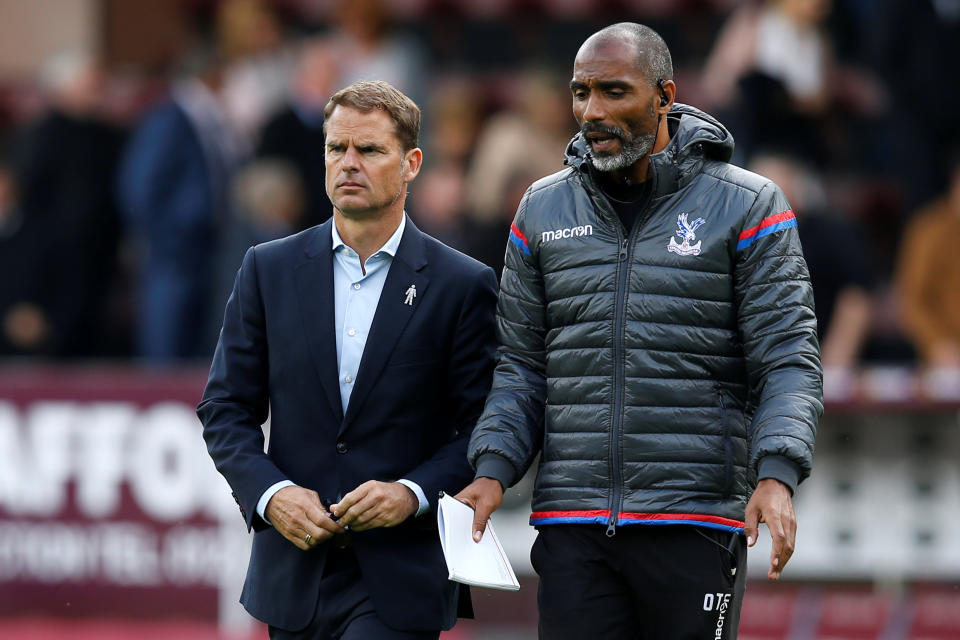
(376, 504)
(300, 517)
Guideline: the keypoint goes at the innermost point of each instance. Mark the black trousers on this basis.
(344, 610)
(648, 582)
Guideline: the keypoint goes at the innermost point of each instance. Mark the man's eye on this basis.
(579, 95)
(616, 93)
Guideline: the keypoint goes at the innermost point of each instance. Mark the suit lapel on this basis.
(314, 282)
(392, 315)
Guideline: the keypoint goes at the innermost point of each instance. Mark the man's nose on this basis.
(593, 109)
(351, 159)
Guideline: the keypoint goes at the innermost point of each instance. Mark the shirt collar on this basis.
(389, 247)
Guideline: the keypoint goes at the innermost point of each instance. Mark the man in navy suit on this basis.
(370, 346)
(173, 186)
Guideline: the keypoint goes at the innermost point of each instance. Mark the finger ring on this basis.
(307, 538)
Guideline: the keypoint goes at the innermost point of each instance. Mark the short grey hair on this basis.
(653, 56)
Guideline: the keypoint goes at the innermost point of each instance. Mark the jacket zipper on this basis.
(619, 373)
(727, 446)
(623, 274)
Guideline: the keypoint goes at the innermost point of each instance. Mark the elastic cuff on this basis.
(492, 465)
(780, 468)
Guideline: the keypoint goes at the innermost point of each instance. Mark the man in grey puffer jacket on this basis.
(659, 351)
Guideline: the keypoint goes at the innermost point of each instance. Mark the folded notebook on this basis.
(481, 564)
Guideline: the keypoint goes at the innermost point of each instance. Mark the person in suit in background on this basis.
(370, 345)
(173, 188)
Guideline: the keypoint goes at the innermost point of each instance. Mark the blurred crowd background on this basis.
(137, 166)
(145, 144)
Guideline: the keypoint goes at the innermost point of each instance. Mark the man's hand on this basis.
(484, 496)
(771, 503)
(296, 513)
(376, 504)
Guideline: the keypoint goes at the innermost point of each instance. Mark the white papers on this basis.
(482, 564)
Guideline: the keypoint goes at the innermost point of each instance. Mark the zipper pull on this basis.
(623, 250)
(612, 528)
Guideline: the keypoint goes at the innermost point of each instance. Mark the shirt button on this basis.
(356, 286)
(341, 447)
(348, 379)
(352, 332)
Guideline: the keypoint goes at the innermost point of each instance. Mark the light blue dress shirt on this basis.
(356, 293)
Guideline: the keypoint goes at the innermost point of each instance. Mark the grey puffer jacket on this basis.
(659, 373)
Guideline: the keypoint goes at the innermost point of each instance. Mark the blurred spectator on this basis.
(834, 251)
(295, 134)
(436, 203)
(270, 203)
(928, 277)
(25, 325)
(66, 172)
(259, 63)
(487, 238)
(770, 66)
(451, 130)
(781, 39)
(514, 148)
(916, 49)
(174, 189)
(370, 48)
(528, 138)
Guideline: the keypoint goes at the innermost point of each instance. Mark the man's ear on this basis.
(668, 93)
(412, 161)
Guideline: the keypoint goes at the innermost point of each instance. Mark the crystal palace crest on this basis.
(687, 232)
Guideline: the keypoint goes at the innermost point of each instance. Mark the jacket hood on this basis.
(697, 136)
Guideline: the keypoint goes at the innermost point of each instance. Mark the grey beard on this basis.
(634, 148)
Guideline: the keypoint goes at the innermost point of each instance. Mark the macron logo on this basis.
(569, 232)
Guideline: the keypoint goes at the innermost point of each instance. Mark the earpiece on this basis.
(664, 101)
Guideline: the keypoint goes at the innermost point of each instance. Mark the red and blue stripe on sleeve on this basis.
(517, 238)
(770, 224)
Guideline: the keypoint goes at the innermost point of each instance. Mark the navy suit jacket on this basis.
(420, 388)
(169, 195)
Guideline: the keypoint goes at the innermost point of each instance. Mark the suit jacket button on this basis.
(341, 447)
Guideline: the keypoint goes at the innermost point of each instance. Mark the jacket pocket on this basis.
(725, 427)
(733, 556)
(729, 548)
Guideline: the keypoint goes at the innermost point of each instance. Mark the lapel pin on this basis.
(411, 293)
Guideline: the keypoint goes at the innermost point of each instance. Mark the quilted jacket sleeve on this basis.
(778, 329)
(510, 431)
